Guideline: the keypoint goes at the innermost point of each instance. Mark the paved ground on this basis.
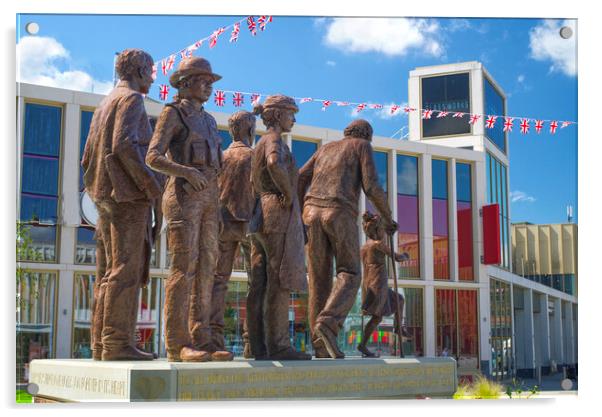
(549, 383)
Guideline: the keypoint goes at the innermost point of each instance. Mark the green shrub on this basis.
(23, 397)
(480, 388)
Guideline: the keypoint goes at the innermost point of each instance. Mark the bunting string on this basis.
(507, 122)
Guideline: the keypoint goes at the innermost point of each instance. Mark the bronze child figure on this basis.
(236, 201)
(186, 147)
(123, 189)
(277, 258)
(378, 300)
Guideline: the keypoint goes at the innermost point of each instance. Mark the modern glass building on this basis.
(436, 183)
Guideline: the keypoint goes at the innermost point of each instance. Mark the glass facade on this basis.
(457, 326)
(407, 216)
(35, 319)
(446, 93)
(85, 250)
(40, 178)
(440, 220)
(501, 329)
(494, 105)
(303, 151)
(497, 192)
(148, 327)
(381, 162)
(464, 218)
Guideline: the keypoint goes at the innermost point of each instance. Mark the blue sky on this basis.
(349, 60)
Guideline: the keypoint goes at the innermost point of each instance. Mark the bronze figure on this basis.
(123, 189)
(236, 207)
(189, 137)
(329, 185)
(277, 258)
(378, 300)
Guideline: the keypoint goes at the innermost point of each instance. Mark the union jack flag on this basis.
(262, 20)
(164, 67)
(538, 126)
(196, 45)
(458, 114)
(376, 106)
(325, 104)
(154, 73)
(394, 108)
(238, 99)
(426, 114)
(185, 53)
(163, 91)
(524, 126)
(474, 118)
(490, 122)
(214, 36)
(251, 25)
(565, 124)
(442, 114)
(305, 100)
(235, 32)
(360, 107)
(255, 98)
(408, 109)
(508, 123)
(553, 126)
(220, 98)
(342, 103)
(170, 62)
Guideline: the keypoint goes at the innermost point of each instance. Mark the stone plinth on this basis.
(84, 380)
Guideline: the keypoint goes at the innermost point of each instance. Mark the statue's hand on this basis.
(285, 201)
(196, 179)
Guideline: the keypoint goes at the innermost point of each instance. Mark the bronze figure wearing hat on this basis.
(122, 188)
(277, 258)
(186, 147)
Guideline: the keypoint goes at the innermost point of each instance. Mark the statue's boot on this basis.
(188, 354)
(290, 354)
(246, 352)
(128, 353)
(330, 341)
(320, 350)
(222, 356)
(366, 353)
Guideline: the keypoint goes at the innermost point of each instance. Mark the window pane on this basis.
(494, 105)
(488, 175)
(302, 151)
(446, 323)
(440, 220)
(86, 119)
(40, 175)
(464, 218)
(407, 215)
(43, 243)
(468, 349)
(450, 93)
(35, 319)
(42, 131)
(226, 139)
(38, 208)
(382, 169)
(85, 250)
(413, 318)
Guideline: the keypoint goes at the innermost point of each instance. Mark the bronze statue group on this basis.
(216, 202)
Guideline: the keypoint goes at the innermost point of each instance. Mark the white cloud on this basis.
(38, 61)
(331, 63)
(521, 78)
(385, 112)
(520, 197)
(547, 45)
(390, 36)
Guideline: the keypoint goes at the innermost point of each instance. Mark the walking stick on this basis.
(397, 311)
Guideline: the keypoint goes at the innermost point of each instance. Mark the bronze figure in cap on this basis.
(186, 147)
(277, 258)
(122, 188)
(329, 187)
(236, 207)
(378, 300)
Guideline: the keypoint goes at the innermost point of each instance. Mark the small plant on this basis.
(481, 388)
(518, 388)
